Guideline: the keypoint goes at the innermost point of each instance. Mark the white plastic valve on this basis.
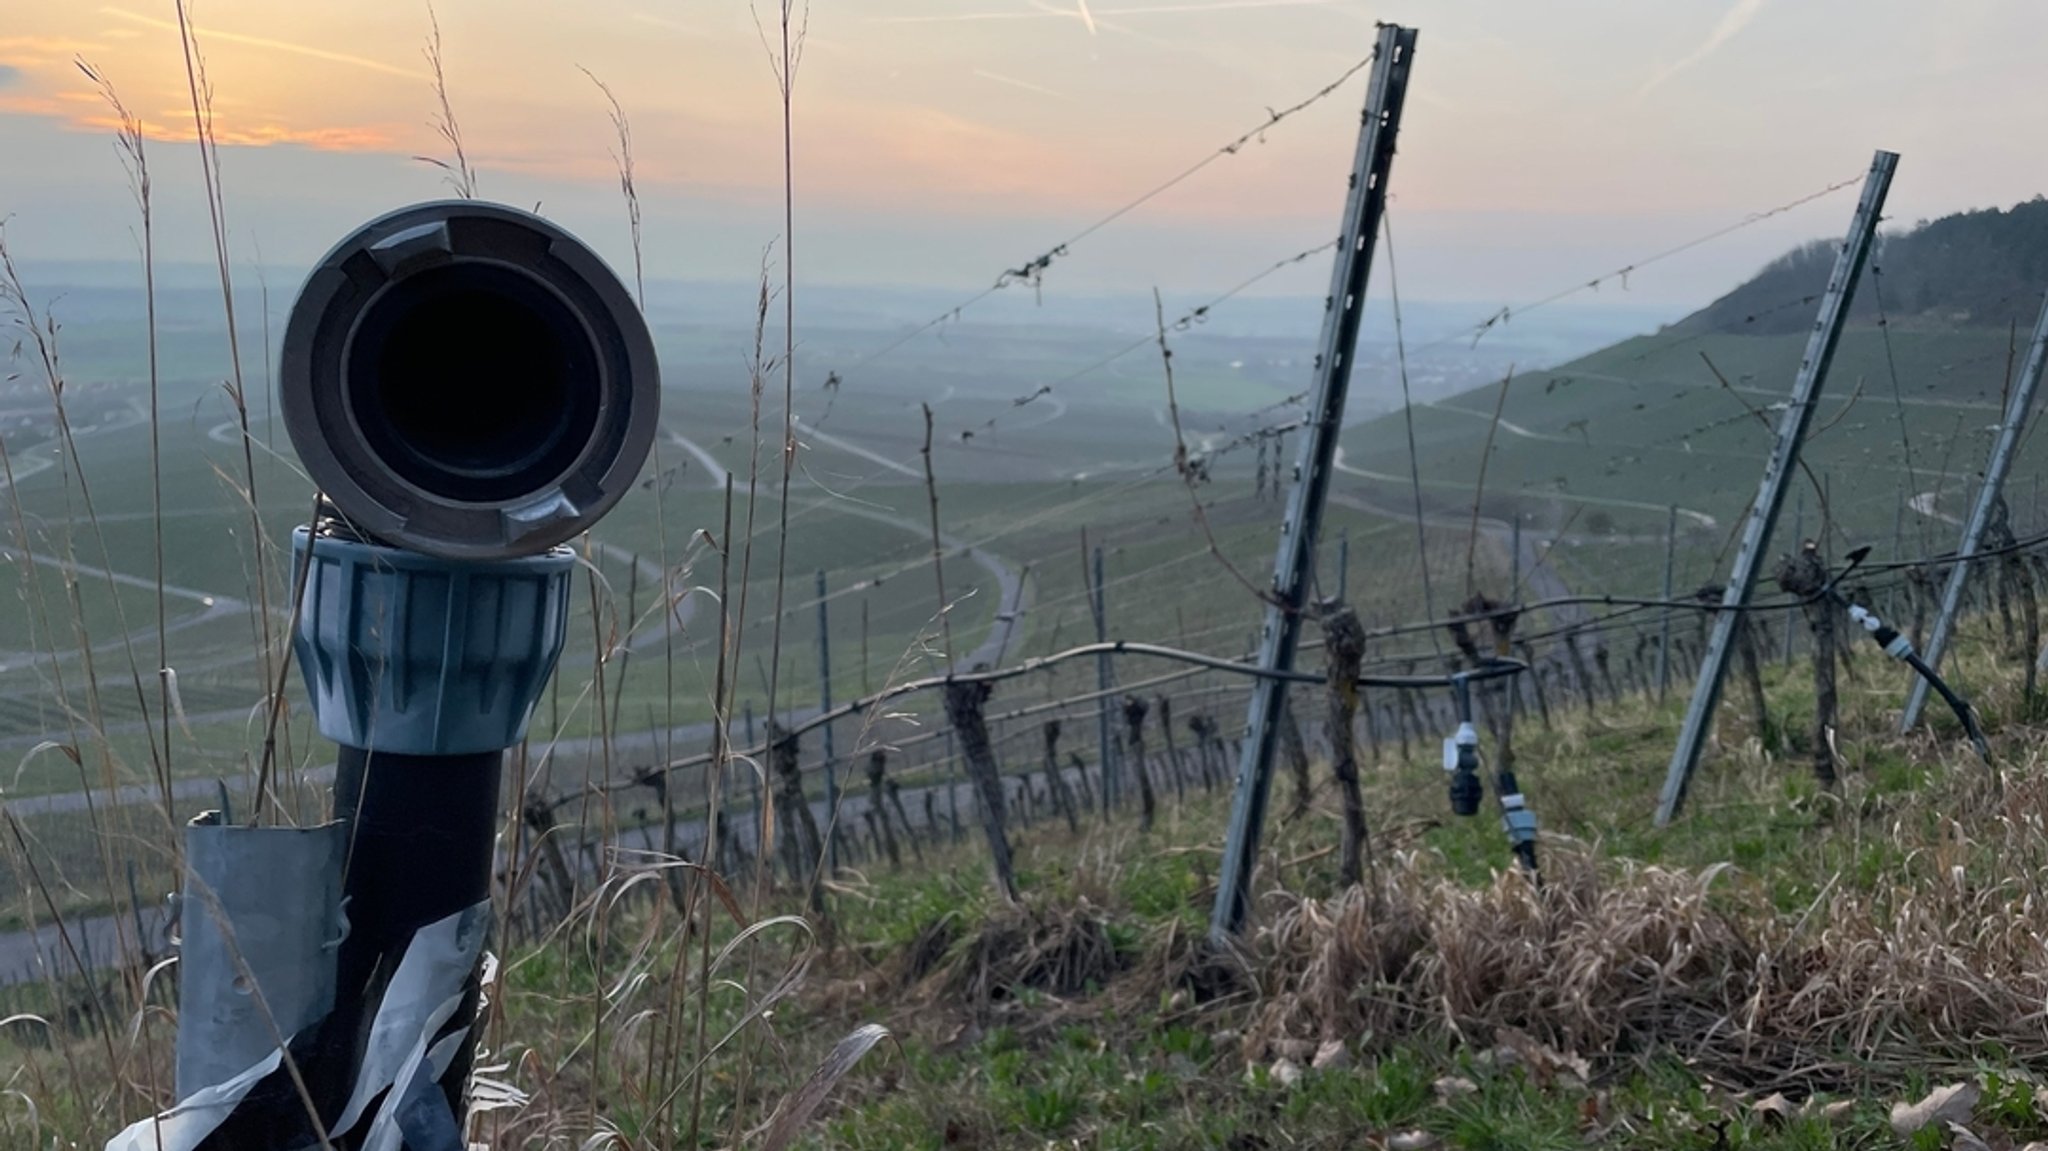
(1467, 736)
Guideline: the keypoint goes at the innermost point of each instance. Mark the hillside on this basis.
(1601, 447)
(1980, 269)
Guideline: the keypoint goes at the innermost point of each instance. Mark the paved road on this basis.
(1509, 426)
(1701, 518)
(870, 455)
(1924, 505)
(212, 605)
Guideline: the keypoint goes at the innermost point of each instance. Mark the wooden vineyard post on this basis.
(1173, 760)
(1535, 687)
(964, 702)
(1205, 750)
(1297, 760)
(1055, 780)
(903, 817)
(1805, 575)
(1134, 733)
(1344, 647)
(1664, 636)
(878, 810)
(807, 850)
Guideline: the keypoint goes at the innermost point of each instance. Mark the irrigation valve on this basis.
(1461, 760)
(470, 387)
(1895, 645)
(1520, 823)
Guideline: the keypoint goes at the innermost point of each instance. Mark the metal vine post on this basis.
(1770, 497)
(1293, 567)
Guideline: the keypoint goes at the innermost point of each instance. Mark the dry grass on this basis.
(1931, 966)
(1063, 949)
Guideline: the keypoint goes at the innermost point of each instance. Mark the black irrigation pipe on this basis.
(1493, 669)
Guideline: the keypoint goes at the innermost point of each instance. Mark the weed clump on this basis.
(1062, 950)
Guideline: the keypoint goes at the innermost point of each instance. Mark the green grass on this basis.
(1647, 422)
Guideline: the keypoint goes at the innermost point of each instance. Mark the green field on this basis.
(1606, 443)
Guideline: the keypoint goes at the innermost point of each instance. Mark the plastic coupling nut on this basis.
(416, 655)
(1517, 820)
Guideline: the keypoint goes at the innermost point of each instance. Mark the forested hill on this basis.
(1974, 269)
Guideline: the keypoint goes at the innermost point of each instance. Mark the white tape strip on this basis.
(189, 1123)
(423, 994)
(425, 1062)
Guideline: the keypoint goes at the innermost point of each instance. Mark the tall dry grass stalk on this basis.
(200, 90)
(40, 332)
(131, 144)
(783, 63)
(460, 175)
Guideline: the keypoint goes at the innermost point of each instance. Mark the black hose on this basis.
(1956, 703)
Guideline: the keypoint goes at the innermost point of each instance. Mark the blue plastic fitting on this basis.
(414, 655)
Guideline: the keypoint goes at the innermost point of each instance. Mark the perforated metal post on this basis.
(1293, 566)
(1995, 471)
(1770, 497)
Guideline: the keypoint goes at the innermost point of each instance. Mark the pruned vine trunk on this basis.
(1134, 739)
(878, 807)
(1344, 647)
(964, 702)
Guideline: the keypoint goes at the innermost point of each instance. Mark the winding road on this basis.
(1701, 518)
(1924, 504)
(1010, 585)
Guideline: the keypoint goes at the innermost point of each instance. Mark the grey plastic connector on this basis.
(1516, 819)
(469, 381)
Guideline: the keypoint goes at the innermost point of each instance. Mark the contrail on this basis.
(1027, 85)
(275, 45)
(1089, 14)
(1736, 19)
(1086, 17)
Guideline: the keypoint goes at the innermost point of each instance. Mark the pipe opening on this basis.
(470, 381)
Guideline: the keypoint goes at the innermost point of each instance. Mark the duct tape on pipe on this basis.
(185, 1126)
(402, 1053)
(423, 994)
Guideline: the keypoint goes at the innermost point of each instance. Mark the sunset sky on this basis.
(939, 141)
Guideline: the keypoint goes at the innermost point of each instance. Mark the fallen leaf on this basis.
(1412, 1141)
(1285, 1072)
(1774, 1109)
(1963, 1139)
(1593, 1112)
(1837, 1111)
(1544, 1061)
(1453, 1086)
(1331, 1055)
(1951, 1104)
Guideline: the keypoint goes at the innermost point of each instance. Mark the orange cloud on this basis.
(29, 53)
(84, 113)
